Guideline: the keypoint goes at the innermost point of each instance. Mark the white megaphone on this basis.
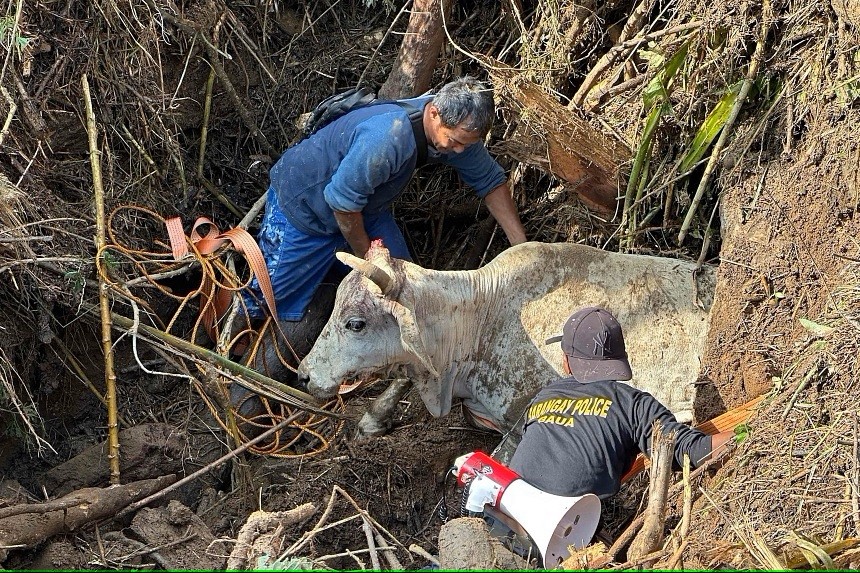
(553, 522)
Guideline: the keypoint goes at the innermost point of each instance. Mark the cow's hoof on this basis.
(372, 426)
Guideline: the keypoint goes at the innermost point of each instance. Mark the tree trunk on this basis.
(419, 52)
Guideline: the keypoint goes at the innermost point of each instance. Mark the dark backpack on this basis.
(340, 104)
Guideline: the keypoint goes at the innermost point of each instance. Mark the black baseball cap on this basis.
(594, 344)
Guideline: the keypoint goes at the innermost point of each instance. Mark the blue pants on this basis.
(298, 262)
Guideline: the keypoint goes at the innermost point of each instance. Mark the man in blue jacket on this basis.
(334, 190)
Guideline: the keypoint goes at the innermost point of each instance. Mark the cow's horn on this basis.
(374, 272)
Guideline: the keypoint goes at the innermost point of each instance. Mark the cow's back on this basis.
(662, 304)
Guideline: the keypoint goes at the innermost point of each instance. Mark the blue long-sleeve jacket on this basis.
(361, 162)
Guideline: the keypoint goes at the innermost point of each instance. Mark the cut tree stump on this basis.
(465, 543)
(557, 140)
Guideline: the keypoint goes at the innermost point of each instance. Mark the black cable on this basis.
(463, 511)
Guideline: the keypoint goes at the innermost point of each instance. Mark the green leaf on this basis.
(658, 88)
(710, 128)
(643, 151)
(815, 328)
(741, 432)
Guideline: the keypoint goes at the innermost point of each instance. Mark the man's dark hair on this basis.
(468, 103)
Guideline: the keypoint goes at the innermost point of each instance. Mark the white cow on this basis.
(481, 335)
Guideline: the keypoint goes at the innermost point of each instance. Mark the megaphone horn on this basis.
(554, 522)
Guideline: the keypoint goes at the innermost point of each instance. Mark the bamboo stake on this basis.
(757, 58)
(110, 375)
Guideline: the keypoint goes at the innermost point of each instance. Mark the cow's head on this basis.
(372, 328)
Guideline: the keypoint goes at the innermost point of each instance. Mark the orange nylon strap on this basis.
(721, 423)
(206, 244)
(177, 238)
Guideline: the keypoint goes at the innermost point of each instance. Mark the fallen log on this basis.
(557, 140)
(148, 451)
(41, 521)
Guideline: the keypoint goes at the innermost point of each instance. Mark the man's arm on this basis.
(352, 228)
(718, 441)
(500, 202)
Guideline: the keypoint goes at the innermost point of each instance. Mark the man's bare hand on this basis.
(501, 205)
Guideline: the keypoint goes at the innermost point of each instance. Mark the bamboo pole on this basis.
(278, 391)
(110, 375)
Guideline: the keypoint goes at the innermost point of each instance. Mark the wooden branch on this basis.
(13, 107)
(72, 512)
(651, 536)
(388, 552)
(104, 303)
(371, 544)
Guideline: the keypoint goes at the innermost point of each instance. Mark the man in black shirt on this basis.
(582, 433)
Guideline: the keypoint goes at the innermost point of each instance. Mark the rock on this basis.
(466, 543)
(162, 525)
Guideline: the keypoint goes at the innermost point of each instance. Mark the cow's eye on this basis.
(355, 324)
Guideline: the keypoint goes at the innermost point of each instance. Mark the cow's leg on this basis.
(378, 418)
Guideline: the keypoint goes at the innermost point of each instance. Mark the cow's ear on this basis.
(410, 337)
